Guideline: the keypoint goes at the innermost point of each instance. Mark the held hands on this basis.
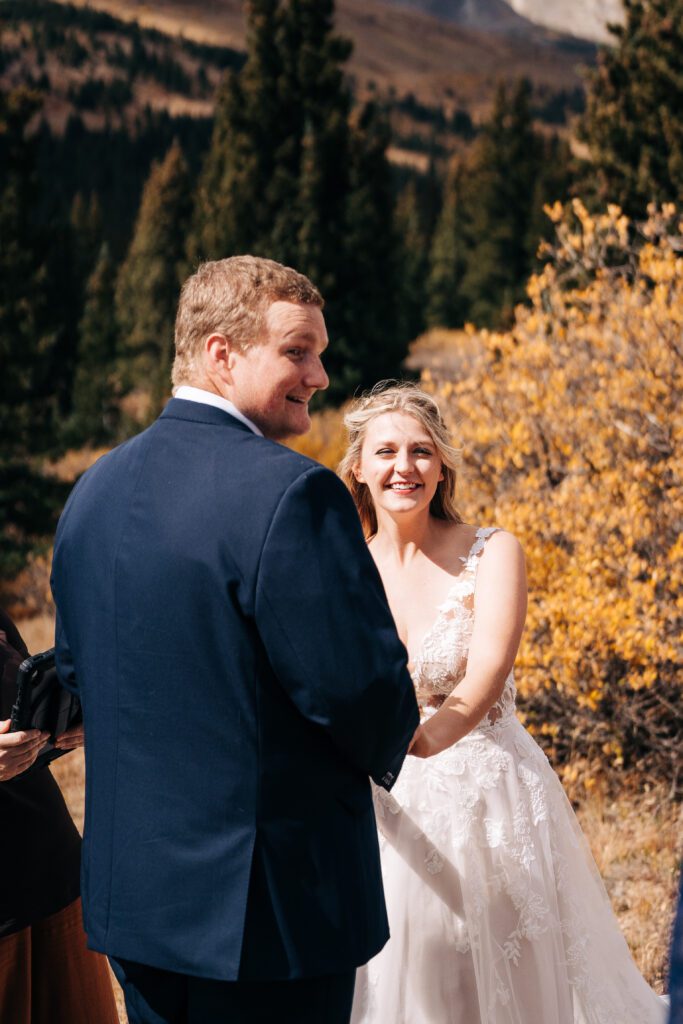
(439, 731)
(420, 745)
(18, 750)
(70, 739)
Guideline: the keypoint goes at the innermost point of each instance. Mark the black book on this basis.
(42, 703)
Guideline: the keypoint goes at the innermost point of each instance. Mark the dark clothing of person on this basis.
(40, 847)
(49, 976)
(154, 996)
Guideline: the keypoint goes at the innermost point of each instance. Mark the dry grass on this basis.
(637, 841)
(38, 632)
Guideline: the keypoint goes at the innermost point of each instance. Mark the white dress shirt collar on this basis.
(190, 394)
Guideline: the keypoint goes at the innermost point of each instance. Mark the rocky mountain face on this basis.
(585, 19)
(485, 15)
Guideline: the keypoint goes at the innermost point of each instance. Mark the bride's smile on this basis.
(399, 463)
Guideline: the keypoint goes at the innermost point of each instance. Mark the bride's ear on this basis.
(358, 474)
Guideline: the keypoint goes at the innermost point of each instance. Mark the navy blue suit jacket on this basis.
(676, 971)
(241, 677)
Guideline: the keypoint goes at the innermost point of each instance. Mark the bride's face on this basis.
(399, 463)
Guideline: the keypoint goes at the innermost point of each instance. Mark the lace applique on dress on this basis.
(441, 661)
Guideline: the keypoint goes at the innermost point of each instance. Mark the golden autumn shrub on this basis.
(325, 442)
(571, 427)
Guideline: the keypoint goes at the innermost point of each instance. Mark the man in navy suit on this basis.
(240, 675)
(676, 971)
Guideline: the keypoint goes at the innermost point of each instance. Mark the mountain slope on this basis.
(394, 47)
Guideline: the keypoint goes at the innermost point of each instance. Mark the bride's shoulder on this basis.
(499, 548)
(478, 540)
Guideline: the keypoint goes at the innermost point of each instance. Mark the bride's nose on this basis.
(403, 462)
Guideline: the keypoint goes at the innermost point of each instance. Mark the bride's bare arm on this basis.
(500, 601)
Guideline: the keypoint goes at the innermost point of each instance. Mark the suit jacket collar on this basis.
(199, 412)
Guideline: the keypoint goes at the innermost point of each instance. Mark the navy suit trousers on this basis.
(154, 996)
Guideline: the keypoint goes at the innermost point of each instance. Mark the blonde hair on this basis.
(409, 398)
(231, 297)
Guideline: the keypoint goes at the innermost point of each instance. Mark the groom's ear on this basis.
(220, 355)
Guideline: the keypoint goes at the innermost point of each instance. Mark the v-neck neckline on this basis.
(441, 608)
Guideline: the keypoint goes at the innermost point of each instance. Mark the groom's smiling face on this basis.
(275, 378)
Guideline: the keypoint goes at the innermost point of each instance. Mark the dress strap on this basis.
(481, 536)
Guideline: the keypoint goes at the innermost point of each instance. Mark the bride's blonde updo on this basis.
(408, 398)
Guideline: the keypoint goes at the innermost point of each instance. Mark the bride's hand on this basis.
(420, 745)
(410, 745)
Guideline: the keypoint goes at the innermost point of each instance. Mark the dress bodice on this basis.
(442, 659)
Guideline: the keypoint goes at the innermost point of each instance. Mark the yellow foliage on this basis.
(571, 426)
(326, 440)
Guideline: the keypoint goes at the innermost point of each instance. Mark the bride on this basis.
(497, 912)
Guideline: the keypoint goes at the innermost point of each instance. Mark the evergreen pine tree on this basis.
(219, 227)
(30, 380)
(498, 198)
(314, 56)
(244, 175)
(285, 177)
(86, 225)
(149, 279)
(364, 313)
(413, 260)
(633, 122)
(446, 306)
(94, 416)
(554, 181)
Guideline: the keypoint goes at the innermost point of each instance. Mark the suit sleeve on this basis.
(64, 662)
(325, 622)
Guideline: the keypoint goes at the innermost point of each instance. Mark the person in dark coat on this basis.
(241, 679)
(676, 972)
(47, 975)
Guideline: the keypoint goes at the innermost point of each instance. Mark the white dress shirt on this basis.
(191, 394)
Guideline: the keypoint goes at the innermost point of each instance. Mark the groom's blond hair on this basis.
(230, 297)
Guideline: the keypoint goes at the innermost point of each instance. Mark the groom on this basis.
(240, 676)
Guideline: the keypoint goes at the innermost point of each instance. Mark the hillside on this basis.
(113, 73)
(394, 47)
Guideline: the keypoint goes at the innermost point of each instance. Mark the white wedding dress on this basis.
(497, 912)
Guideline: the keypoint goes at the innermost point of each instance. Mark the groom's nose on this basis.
(316, 376)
